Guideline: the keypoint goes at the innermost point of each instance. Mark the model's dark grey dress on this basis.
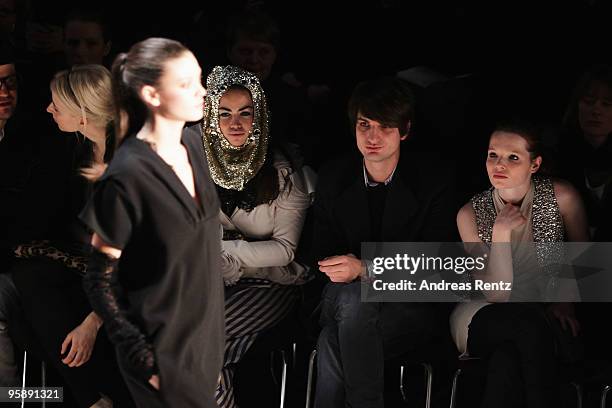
(167, 299)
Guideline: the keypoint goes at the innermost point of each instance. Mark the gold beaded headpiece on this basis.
(231, 167)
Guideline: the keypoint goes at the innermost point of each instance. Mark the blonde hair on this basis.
(86, 90)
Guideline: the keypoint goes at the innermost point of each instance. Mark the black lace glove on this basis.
(105, 295)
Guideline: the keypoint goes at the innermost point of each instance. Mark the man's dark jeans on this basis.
(356, 339)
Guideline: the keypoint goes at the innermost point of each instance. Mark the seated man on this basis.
(8, 292)
(377, 196)
(32, 162)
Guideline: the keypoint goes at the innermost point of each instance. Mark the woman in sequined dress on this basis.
(264, 198)
(516, 339)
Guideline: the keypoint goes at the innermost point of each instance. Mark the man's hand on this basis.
(342, 268)
(81, 341)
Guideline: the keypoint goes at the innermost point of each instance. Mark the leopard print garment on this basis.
(45, 249)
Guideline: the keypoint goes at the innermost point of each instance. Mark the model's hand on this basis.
(565, 313)
(342, 268)
(79, 343)
(509, 218)
(154, 381)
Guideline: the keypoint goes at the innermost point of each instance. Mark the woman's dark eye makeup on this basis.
(228, 114)
(513, 157)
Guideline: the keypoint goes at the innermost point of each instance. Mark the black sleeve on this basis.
(111, 213)
(107, 299)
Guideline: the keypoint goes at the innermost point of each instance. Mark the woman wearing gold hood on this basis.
(263, 206)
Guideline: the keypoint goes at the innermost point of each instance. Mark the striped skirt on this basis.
(251, 307)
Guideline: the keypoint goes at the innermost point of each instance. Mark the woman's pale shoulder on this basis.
(564, 190)
(466, 212)
(466, 223)
(565, 193)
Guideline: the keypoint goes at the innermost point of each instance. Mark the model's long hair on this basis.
(142, 65)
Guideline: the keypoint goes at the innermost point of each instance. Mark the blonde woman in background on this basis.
(49, 277)
(82, 101)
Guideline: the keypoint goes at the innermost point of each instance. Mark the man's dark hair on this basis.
(387, 100)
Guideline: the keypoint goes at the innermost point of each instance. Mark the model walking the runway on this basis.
(155, 279)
